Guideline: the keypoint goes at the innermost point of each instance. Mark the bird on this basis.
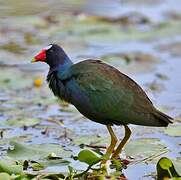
(101, 93)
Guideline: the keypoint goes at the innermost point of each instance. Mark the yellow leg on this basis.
(123, 142)
(113, 141)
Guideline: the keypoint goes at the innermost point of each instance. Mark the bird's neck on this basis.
(62, 65)
(65, 64)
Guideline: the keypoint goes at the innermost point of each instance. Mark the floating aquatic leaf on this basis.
(54, 162)
(177, 164)
(155, 86)
(89, 139)
(10, 168)
(12, 47)
(173, 130)
(36, 166)
(5, 176)
(143, 148)
(23, 122)
(35, 152)
(50, 176)
(172, 48)
(133, 18)
(134, 61)
(8, 80)
(106, 33)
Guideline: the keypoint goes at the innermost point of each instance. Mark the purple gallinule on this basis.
(101, 93)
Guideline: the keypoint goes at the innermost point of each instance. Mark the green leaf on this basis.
(54, 162)
(37, 166)
(5, 176)
(10, 168)
(35, 152)
(165, 168)
(89, 157)
(23, 122)
(173, 131)
(165, 163)
(144, 148)
(25, 152)
(89, 139)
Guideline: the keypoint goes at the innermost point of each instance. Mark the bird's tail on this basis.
(163, 118)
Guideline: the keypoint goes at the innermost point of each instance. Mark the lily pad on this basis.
(135, 61)
(8, 80)
(89, 140)
(132, 18)
(10, 168)
(22, 122)
(5, 176)
(173, 131)
(177, 164)
(144, 148)
(12, 47)
(107, 33)
(173, 48)
(35, 152)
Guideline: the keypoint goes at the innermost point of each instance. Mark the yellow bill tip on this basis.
(33, 60)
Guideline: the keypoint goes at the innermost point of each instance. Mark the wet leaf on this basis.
(8, 80)
(22, 122)
(10, 168)
(89, 157)
(126, 19)
(165, 168)
(143, 148)
(5, 176)
(35, 152)
(30, 38)
(156, 86)
(51, 176)
(177, 164)
(89, 139)
(162, 76)
(25, 152)
(135, 61)
(106, 33)
(165, 163)
(173, 48)
(12, 47)
(173, 131)
(54, 162)
(36, 166)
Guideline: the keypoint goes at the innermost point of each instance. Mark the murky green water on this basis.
(141, 38)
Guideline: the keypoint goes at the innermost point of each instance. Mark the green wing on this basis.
(111, 93)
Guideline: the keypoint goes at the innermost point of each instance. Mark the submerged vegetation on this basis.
(43, 140)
